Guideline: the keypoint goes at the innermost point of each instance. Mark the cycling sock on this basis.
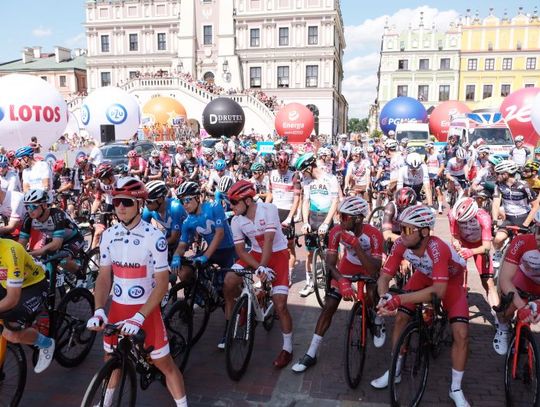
(456, 379)
(181, 402)
(42, 341)
(287, 342)
(315, 342)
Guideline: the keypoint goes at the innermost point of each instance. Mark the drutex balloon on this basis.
(295, 121)
(163, 110)
(439, 120)
(516, 110)
(402, 109)
(223, 117)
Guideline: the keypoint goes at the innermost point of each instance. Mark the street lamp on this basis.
(226, 66)
(180, 66)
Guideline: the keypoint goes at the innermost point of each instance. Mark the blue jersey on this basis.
(175, 214)
(212, 216)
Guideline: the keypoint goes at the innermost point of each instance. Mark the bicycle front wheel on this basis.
(112, 386)
(240, 339)
(179, 324)
(319, 276)
(12, 376)
(521, 382)
(410, 366)
(355, 347)
(201, 304)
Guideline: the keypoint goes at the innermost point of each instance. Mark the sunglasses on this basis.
(407, 230)
(31, 207)
(235, 202)
(126, 202)
(186, 200)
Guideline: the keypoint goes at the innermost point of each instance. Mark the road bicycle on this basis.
(252, 306)
(318, 268)
(522, 364)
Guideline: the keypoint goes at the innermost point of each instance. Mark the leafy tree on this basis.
(356, 125)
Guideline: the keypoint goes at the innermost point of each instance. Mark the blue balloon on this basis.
(402, 109)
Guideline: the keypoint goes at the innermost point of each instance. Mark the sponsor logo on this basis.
(161, 244)
(85, 115)
(136, 292)
(117, 290)
(136, 242)
(435, 252)
(294, 115)
(522, 115)
(116, 114)
(126, 264)
(517, 247)
(36, 113)
(295, 126)
(225, 118)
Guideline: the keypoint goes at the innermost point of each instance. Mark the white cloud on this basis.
(78, 41)
(41, 32)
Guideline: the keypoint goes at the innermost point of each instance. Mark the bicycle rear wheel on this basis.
(240, 339)
(376, 217)
(410, 366)
(179, 324)
(522, 386)
(201, 304)
(12, 376)
(319, 276)
(355, 347)
(120, 383)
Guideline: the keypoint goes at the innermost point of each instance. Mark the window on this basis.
(402, 90)
(489, 64)
(105, 78)
(105, 43)
(403, 65)
(283, 76)
(255, 37)
(312, 76)
(469, 92)
(161, 42)
(505, 90)
(487, 91)
(472, 64)
(529, 85)
(44, 78)
(133, 42)
(445, 63)
(133, 74)
(423, 93)
(507, 64)
(313, 35)
(255, 77)
(63, 81)
(207, 35)
(284, 36)
(531, 63)
(424, 64)
(444, 93)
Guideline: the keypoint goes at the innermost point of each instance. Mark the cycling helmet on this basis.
(323, 151)
(404, 140)
(257, 167)
(305, 161)
(414, 160)
(533, 166)
(132, 154)
(268, 158)
(357, 150)
(507, 166)
(483, 149)
(354, 206)
(220, 165)
(461, 153)
(494, 159)
(465, 209)
(465, 145)
(519, 139)
(82, 159)
(188, 188)
(219, 148)
(480, 141)
(58, 165)
(10, 154)
(429, 144)
(283, 159)
(157, 189)
(225, 183)
(343, 137)
(104, 170)
(390, 144)
(405, 197)
(154, 154)
(121, 169)
(4, 162)
(36, 196)
(242, 189)
(536, 150)
(420, 216)
(391, 133)
(130, 186)
(208, 151)
(370, 149)
(25, 151)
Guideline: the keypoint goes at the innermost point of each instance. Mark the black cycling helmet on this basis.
(188, 188)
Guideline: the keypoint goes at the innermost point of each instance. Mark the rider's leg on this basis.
(173, 377)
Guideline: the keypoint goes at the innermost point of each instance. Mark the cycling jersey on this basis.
(396, 162)
(523, 252)
(320, 192)
(284, 187)
(154, 167)
(449, 151)
(189, 167)
(175, 214)
(519, 155)
(10, 181)
(105, 190)
(408, 178)
(359, 172)
(434, 162)
(212, 217)
(475, 230)
(515, 198)
(455, 168)
(17, 267)
(57, 225)
(214, 178)
(78, 175)
(371, 242)
(35, 175)
(137, 163)
(261, 186)
(534, 183)
(266, 220)
(390, 218)
(12, 207)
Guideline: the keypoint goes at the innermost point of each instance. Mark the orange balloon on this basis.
(163, 110)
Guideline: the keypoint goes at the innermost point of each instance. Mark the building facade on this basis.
(290, 49)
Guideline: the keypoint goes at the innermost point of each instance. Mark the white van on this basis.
(415, 132)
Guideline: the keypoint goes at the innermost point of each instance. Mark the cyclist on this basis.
(259, 222)
(362, 244)
(102, 206)
(154, 169)
(529, 173)
(520, 153)
(136, 164)
(12, 209)
(456, 168)
(415, 175)
(403, 198)
(220, 197)
(82, 174)
(36, 174)
(325, 160)
(439, 270)
(23, 291)
(261, 182)
(320, 200)
(435, 167)
(134, 264)
(190, 166)
(9, 179)
(396, 160)
(450, 148)
(220, 169)
(358, 175)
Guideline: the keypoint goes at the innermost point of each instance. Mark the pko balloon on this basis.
(402, 109)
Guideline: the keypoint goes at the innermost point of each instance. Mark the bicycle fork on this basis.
(516, 352)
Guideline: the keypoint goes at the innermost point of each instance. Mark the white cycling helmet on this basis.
(519, 138)
(483, 149)
(391, 133)
(354, 206)
(225, 183)
(461, 153)
(414, 160)
(35, 196)
(208, 151)
(357, 150)
(323, 151)
(157, 189)
(391, 144)
(465, 209)
(370, 149)
(507, 166)
(420, 216)
(404, 141)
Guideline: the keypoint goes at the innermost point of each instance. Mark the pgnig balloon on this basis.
(30, 106)
(402, 109)
(113, 106)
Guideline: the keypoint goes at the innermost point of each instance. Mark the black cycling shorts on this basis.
(32, 299)
(287, 231)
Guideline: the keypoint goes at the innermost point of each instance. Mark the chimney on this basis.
(27, 55)
(37, 52)
(61, 54)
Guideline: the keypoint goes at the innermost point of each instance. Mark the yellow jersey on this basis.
(534, 183)
(17, 267)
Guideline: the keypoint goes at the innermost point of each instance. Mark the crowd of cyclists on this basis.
(232, 206)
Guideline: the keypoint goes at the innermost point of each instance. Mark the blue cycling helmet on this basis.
(25, 151)
(3, 161)
(220, 165)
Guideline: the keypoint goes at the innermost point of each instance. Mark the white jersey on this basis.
(454, 168)
(519, 155)
(266, 220)
(214, 178)
(406, 177)
(35, 175)
(13, 207)
(11, 181)
(396, 162)
(320, 192)
(359, 171)
(282, 188)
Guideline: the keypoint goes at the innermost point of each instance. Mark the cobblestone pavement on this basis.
(323, 385)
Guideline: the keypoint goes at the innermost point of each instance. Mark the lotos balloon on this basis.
(295, 121)
(111, 105)
(29, 106)
(535, 114)
(402, 109)
(439, 120)
(163, 110)
(516, 110)
(223, 117)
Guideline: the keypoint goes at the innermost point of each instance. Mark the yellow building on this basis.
(498, 56)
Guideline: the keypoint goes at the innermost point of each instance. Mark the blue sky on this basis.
(48, 23)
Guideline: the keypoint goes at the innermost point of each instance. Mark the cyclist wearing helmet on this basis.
(82, 173)
(261, 182)
(396, 161)
(486, 177)
(154, 169)
(456, 168)
(439, 270)
(9, 179)
(403, 198)
(102, 206)
(324, 160)
(36, 174)
(520, 153)
(259, 222)
(358, 175)
(344, 147)
(220, 197)
(244, 169)
(166, 160)
(362, 245)
(220, 169)
(133, 263)
(529, 173)
(320, 200)
(435, 167)
(190, 166)
(450, 147)
(136, 164)
(415, 175)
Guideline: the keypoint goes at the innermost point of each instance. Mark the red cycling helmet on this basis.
(132, 154)
(10, 154)
(58, 165)
(81, 159)
(130, 186)
(104, 170)
(405, 197)
(242, 189)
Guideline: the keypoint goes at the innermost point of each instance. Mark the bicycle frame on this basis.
(361, 282)
(519, 326)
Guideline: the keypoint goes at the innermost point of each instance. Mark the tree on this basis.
(356, 125)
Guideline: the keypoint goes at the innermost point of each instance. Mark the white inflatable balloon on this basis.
(535, 113)
(29, 106)
(111, 105)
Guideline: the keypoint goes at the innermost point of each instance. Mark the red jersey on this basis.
(371, 242)
(523, 251)
(474, 230)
